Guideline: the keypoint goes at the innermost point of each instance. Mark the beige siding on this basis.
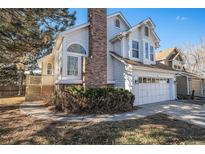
(39, 87)
(196, 86)
(181, 85)
(45, 62)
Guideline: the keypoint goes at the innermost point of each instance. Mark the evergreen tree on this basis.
(8, 74)
(28, 33)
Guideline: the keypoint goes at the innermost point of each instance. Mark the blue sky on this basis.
(175, 27)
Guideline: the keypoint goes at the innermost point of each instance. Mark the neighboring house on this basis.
(186, 81)
(108, 51)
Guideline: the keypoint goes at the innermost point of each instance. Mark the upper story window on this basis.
(151, 53)
(146, 31)
(135, 49)
(76, 48)
(117, 23)
(49, 69)
(146, 50)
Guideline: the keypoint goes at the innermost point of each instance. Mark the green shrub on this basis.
(94, 100)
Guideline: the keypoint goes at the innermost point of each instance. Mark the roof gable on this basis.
(74, 28)
(167, 54)
(148, 20)
(150, 23)
(120, 15)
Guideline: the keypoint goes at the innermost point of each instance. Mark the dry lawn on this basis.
(17, 128)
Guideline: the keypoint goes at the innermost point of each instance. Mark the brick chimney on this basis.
(96, 63)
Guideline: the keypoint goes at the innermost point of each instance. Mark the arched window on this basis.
(76, 48)
(117, 23)
(49, 69)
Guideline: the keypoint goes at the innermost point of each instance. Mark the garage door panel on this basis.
(152, 92)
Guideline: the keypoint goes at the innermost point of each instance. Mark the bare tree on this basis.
(194, 56)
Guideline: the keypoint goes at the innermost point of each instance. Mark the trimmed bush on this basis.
(94, 100)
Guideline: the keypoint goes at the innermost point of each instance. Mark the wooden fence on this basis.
(11, 90)
(38, 87)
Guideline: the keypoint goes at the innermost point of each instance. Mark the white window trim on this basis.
(148, 31)
(148, 50)
(130, 47)
(138, 49)
(65, 54)
(50, 70)
(115, 23)
(77, 77)
(84, 55)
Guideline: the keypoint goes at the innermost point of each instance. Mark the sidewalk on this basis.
(36, 109)
(188, 112)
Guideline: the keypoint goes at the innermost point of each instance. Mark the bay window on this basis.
(135, 49)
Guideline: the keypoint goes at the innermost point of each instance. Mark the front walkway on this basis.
(183, 111)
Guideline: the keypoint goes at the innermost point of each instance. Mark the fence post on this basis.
(20, 82)
(41, 85)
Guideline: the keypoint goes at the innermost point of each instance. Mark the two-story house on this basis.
(107, 50)
(186, 81)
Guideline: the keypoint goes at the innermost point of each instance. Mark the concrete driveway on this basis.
(183, 111)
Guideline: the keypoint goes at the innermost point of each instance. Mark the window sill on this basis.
(133, 58)
(71, 81)
(111, 82)
(117, 27)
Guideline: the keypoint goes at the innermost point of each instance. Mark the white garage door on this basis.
(150, 90)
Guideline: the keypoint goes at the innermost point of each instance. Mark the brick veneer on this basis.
(95, 68)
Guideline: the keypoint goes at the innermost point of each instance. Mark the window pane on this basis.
(144, 80)
(153, 80)
(117, 23)
(49, 69)
(151, 53)
(135, 49)
(146, 50)
(151, 49)
(135, 45)
(151, 57)
(72, 65)
(140, 79)
(146, 31)
(135, 53)
(76, 48)
(148, 80)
